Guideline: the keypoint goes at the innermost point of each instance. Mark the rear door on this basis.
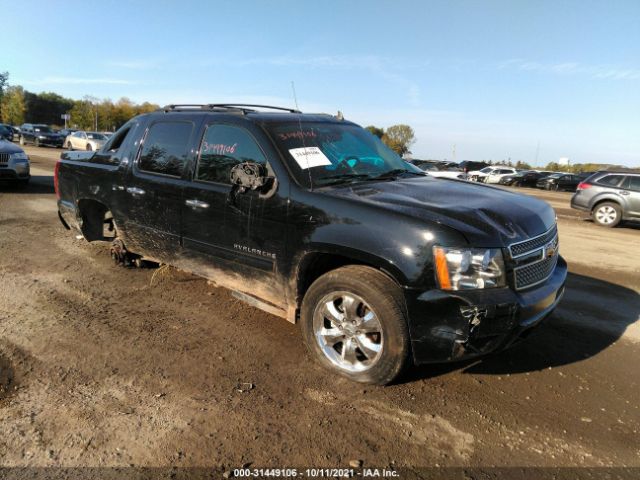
(630, 190)
(154, 188)
(234, 237)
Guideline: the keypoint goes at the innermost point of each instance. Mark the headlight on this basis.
(469, 268)
(19, 156)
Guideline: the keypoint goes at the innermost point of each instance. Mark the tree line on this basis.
(18, 106)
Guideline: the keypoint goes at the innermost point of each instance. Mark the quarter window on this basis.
(165, 148)
(610, 180)
(223, 147)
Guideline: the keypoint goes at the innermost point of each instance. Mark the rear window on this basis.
(611, 180)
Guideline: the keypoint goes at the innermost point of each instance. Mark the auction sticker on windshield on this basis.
(308, 157)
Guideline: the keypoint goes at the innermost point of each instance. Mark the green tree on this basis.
(4, 83)
(553, 167)
(12, 106)
(520, 165)
(399, 138)
(82, 114)
(378, 132)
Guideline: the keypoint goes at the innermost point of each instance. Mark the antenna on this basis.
(295, 97)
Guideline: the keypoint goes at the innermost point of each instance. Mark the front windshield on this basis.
(320, 154)
(42, 129)
(96, 136)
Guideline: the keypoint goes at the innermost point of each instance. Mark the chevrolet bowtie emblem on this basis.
(550, 249)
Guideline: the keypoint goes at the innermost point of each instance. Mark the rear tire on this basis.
(607, 214)
(353, 321)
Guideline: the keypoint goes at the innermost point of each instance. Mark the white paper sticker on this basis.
(308, 157)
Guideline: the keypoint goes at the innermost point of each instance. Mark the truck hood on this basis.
(486, 216)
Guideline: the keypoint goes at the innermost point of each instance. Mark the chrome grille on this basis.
(534, 260)
(4, 159)
(523, 248)
(535, 273)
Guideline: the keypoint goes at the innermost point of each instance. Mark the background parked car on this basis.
(559, 181)
(6, 132)
(491, 174)
(14, 164)
(82, 140)
(468, 166)
(440, 169)
(65, 132)
(40, 134)
(523, 179)
(610, 197)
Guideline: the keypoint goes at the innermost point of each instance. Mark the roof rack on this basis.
(243, 108)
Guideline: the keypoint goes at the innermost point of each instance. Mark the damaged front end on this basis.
(449, 326)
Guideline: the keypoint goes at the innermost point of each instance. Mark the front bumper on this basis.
(456, 325)
(15, 172)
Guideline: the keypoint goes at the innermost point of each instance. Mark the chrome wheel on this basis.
(606, 215)
(348, 331)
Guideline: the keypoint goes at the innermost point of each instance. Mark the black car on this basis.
(39, 134)
(468, 166)
(311, 218)
(559, 181)
(523, 179)
(6, 132)
(65, 132)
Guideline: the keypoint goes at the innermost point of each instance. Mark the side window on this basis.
(610, 180)
(117, 139)
(632, 183)
(165, 148)
(224, 146)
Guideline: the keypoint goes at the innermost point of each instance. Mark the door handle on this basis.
(623, 192)
(135, 191)
(196, 203)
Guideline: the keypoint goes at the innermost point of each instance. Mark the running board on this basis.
(255, 302)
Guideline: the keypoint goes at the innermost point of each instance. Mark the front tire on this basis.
(353, 321)
(607, 214)
(89, 147)
(69, 146)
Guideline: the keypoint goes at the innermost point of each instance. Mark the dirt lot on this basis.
(105, 366)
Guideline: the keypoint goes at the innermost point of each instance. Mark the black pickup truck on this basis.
(313, 219)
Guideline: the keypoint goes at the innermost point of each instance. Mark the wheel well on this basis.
(604, 200)
(94, 216)
(313, 266)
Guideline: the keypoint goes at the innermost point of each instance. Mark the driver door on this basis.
(229, 235)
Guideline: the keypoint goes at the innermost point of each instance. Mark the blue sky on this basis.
(493, 78)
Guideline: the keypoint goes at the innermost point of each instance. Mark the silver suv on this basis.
(14, 163)
(610, 197)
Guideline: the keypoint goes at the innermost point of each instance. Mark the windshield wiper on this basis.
(339, 177)
(392, 174)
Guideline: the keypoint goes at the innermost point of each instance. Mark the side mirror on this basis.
(249, 176)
